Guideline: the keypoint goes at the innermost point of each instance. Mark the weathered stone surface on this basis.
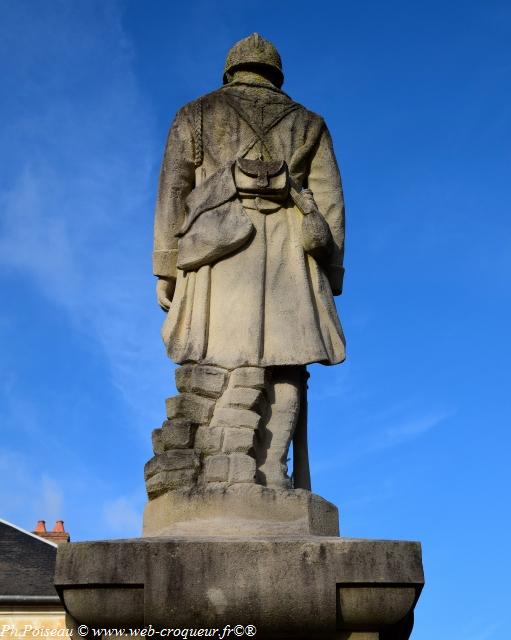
(372, 605)
(235, 418)
(243, 398)
(171, 469)
(217, 486)
(157, 440)
(295, 582)
(240, 509)
(208, 440)
(216, 469)
(164, 481)
(178, 434)
(172, 460)
(238, 440)
(242, 468)
(254, 377)
(189, 406)
(204, 380)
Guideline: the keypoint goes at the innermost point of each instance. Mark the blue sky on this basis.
(410, 437)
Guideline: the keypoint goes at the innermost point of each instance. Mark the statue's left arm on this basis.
(324, 181)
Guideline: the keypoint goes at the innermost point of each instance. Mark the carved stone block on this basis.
(238, 440)
(208, 440)
(178, 434)
(216, 469)
(242, 468)
(189, 406)
(168, 480)
(236, 418)
(157, 440)
(243, 398)
(204, 380)
(171, 461)
(254, 377)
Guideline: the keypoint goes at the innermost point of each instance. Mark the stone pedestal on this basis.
(240, 510)
(286, 587)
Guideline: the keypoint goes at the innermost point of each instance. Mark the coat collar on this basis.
(274, 93)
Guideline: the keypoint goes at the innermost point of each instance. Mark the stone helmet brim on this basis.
(254, 50)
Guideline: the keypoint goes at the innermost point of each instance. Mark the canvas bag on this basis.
(216, 223)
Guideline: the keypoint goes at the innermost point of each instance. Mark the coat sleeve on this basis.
(177, 179)
(324, 181)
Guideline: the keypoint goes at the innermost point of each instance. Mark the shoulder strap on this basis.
(197, 132)
(198, 145)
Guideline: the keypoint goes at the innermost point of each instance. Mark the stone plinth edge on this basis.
(295, 587)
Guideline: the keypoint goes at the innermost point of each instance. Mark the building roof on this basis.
(27, 563)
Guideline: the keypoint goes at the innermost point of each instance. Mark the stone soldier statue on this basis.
(248, 252)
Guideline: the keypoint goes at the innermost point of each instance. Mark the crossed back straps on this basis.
(260, 132)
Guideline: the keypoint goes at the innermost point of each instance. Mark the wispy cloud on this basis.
(52, 499)
(329, 383)
(77, 208)
(30, 495)
(363, 496)
(487, 631)
(33, 494)
(123, 515)
(379, 435)
(410, 428)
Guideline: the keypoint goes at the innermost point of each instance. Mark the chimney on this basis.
(59, 535)
(40, 527)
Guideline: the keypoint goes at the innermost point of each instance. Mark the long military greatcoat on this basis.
(269, 302)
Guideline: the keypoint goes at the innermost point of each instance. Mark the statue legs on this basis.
(232, 426)
(285, 403)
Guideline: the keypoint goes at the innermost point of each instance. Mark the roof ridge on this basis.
(29, 533)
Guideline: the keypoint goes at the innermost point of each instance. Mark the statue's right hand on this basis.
(165, 291)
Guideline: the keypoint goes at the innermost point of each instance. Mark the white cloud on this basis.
(123, 516)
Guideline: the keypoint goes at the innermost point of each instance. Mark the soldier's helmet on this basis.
(257, 51)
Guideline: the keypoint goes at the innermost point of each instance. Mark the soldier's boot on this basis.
(278, 425)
